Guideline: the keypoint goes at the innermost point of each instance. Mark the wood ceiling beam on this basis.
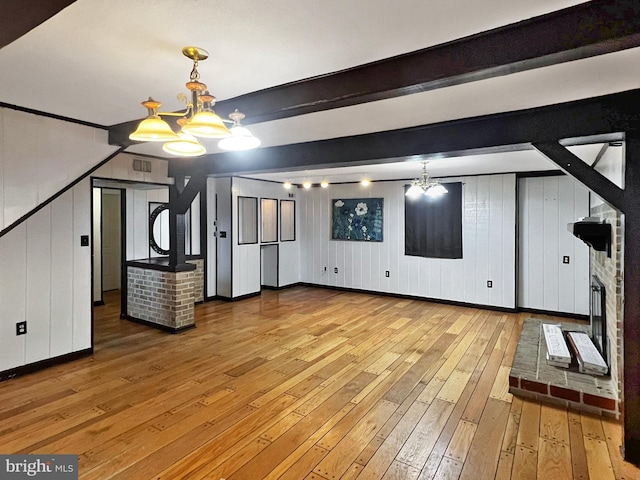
(598, 116)
(585, 30)
(18, 17)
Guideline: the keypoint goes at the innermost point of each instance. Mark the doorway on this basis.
(111, 239)
(269, 266)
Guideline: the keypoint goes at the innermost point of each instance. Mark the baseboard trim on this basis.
(535, 311)
(281, 287)
(42, 364)
(157, 326)
(413, 297)
(237, 299)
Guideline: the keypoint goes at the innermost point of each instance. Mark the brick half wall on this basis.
(161, 298)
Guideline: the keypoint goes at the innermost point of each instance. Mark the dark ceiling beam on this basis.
(593, 180)
(585, 30)
(598, 116)
(18, 17)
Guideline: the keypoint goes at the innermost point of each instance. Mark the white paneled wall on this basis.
(488, 245)
(45, 279)
(45, 275)
(546, 206)
(40, 156)
(238, 268)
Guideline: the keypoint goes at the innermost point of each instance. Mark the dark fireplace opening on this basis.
(598, 317)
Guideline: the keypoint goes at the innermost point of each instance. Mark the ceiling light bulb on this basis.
(324, 184)
(365, 182)
(287, 185)
(306, 184)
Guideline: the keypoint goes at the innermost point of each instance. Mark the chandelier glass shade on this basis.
(426, 186)
(153, 128)
(206, 125)
(240, 138)
(197, 120)
(186, 146)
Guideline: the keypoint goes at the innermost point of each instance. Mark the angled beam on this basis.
(571, 164)
(598, 116)
(585, 30)
(18, 17)
(188, 194)
(180, 199)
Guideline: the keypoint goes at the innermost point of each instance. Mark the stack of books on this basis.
(557, 351)
(588, 356)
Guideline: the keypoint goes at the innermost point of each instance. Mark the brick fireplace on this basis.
(531, 376)
(608, 270)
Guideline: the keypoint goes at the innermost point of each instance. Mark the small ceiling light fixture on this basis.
(306, 184)
(365, 182)
(425, 185)
(287, 185)
(324, 183)
(197, 120)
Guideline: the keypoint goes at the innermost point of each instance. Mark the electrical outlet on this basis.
(335, 270)
(386, 273)
(21, 328)
(489, 284)
(565, 259)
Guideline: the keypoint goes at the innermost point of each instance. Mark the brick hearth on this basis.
(531, 376)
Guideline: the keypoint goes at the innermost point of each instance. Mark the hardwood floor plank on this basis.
(598, 460)
(384, 456)
(305, 464)
(554, 424)
(554, 460)
(461, 441)
(591, 426)
(529, 430)
(401, 471)
(505, 465)
(525, 462)
(482, 459)
(448, 469)
(500, 388)
(578, 453)
(418, 446)
(346, 451)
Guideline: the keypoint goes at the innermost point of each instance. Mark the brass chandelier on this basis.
(425, 185)
(197, 120)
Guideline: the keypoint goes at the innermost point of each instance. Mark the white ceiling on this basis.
(96, 61)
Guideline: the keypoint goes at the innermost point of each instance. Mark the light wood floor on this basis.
(305, 383)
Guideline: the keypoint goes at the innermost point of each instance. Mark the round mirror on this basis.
(159, 228)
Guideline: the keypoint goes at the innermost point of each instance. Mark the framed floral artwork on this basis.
(358, 219)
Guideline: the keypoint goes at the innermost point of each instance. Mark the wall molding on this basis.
(42, 364)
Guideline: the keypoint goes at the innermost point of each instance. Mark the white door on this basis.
(111, 239)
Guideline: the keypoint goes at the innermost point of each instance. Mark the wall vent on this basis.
(140, 165)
